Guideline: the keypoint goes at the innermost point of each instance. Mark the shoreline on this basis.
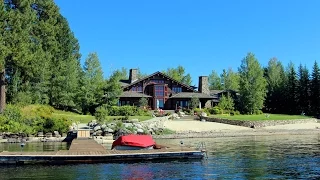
(240, 133)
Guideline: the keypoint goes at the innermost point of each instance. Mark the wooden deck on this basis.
(89, 151)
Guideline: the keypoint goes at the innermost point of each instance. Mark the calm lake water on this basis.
(264, 157)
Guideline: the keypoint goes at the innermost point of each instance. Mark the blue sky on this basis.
(202, 35)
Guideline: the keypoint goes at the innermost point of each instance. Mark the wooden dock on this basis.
(89, 151)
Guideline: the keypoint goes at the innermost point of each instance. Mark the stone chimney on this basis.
(133, 75)
(203, 85)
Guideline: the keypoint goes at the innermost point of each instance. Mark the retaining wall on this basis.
(258, 124)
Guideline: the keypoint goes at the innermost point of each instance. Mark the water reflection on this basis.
(264, 157)
(35, 146)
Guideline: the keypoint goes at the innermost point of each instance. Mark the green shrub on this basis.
(187, 111)
(22, 98)
(61, 125)
(113, 111)
(258, 112)
(101, 113)
(31, 119)
(236, 112)
(37, 110)
(207, 110)
(215, 110)
(13, 113)
(197, 110)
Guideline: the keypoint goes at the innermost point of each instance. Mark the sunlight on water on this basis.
(264, 157)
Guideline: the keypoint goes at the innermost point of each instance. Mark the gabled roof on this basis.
(192, 94)
(162, 74)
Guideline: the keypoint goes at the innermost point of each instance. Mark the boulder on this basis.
(109, 130)
(40, 134)
(181, 114)
(111, 125)
(56, 134)
(139, 126)
(48, 135)
(99, 133)
(175, 115)
(127, 125)
(96, 128)
(203, 114)
(140, 131)
(103, 126)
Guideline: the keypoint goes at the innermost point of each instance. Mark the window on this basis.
(157, 81)
(137, 88)
(160, 103)
(159, 91)
(182, 103)
(176, 89)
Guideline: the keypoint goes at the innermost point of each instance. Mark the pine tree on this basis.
(291, 90)
(226, 103)
(275, 79)
(252, 85)
(315, 89)
(303, 90)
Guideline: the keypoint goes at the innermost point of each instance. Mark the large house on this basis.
(163, 91)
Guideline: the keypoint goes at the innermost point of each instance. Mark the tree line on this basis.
(40, 64)
(273, 89)
(40, 61)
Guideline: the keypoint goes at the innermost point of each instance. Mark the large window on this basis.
(176, 89)
(159, 91)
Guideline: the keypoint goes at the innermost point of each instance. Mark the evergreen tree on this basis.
(303, 90)
(226, 103)
(214, 81)
(19, 40)
(92, 84)
(291, 90)
(252, 85)
(275, 81)
(315, 89)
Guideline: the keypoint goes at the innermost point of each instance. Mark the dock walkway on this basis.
(89, 151)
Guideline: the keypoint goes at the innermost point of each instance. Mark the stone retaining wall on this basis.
(258, 124)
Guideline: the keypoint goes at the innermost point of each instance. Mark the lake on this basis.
(256, 157)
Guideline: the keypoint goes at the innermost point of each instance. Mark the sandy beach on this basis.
(196, 129)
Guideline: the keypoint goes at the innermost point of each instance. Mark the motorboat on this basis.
(134, 142)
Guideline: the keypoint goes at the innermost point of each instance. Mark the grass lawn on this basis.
(262, 117)
(87, 118)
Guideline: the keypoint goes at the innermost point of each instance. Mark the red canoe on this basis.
(133, 142)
